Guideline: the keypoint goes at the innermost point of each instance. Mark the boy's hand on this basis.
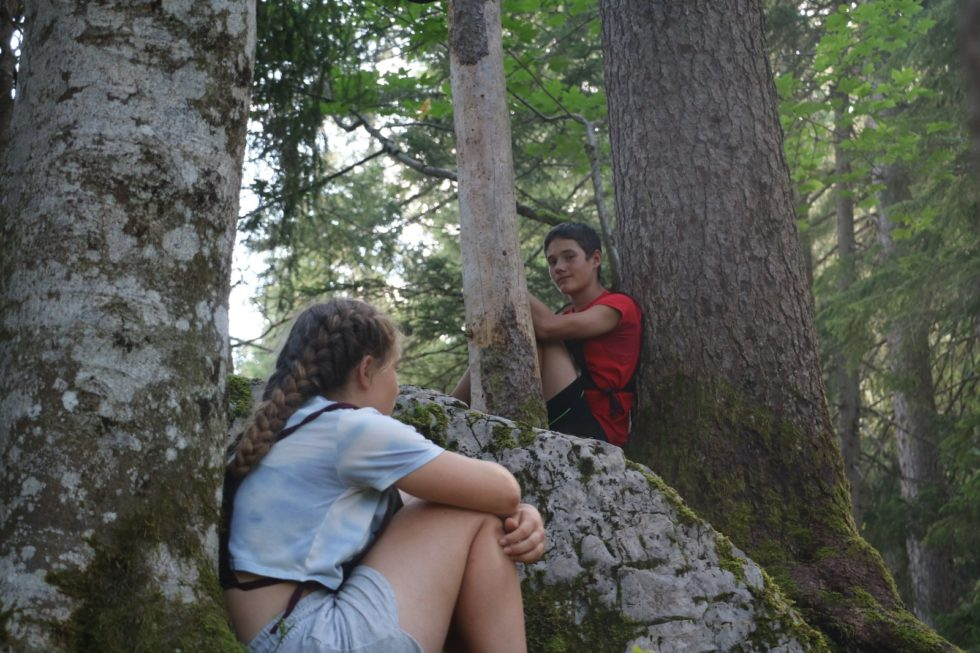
(525, 538)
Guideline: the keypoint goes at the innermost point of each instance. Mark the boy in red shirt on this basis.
(589, 352)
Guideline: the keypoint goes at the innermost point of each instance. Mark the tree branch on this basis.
(390, 148)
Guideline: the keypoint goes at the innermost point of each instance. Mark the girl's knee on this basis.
(441, 515)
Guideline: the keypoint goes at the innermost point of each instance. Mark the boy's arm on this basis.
(589, 323)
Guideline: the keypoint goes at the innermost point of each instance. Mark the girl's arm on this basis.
(589, 323)
(463, 482)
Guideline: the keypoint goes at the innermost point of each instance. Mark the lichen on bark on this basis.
(468, 31)
(117, 218)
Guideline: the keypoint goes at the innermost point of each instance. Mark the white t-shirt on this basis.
(318, 498)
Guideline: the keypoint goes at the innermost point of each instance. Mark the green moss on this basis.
(502, 387)
(864, 599)
(778, 609)
(431, 420)
(119, 602)
(527, 435)
(552, 622)
(586, 467)
(240, 400)
(502, 438)
(727, 559)
(911, 635)
(684, 513)
(737, 463)
(774, 486)
(533, 413)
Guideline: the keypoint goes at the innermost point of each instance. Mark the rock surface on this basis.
(629, 567)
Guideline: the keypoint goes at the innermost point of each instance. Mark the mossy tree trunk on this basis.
(120, 196)
(733, 409)
(504, 374)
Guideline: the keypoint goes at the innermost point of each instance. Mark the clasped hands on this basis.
(524, 537)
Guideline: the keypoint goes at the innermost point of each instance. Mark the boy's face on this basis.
(570, 269)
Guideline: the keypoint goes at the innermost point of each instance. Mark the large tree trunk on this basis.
(934, 583)
(845, 374)
(120, 195)
(732, 406)
(504, 374)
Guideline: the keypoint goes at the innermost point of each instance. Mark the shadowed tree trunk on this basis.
(504, 374)
(118, 208)
(732, 407)
(845, 375)
(934, 583)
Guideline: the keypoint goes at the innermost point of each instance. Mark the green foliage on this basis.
(363, 225)
(879, 78)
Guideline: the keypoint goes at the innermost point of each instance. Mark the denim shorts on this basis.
(360, 617)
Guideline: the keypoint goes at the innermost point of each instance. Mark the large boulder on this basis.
(628, 566)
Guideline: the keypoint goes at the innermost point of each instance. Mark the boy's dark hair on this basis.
(584, 235)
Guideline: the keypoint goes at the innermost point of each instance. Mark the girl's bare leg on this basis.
(446, 567)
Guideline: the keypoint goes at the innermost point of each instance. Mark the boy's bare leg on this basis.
(557, 371)
(462, 390)
(557, 368)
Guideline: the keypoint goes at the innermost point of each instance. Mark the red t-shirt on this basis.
(611, 360)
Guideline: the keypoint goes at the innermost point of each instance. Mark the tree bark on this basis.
(733, 411)
(845, 375)
(932, 577)
(118, 209)
(504, 375)
(605, 224)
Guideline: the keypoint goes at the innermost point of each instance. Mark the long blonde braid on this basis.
(325, 343)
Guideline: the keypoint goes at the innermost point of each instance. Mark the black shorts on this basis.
(569, 412)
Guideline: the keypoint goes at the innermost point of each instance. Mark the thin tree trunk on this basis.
(732, 405)
(118, 208)
(504, 374)
(605, 224)
(931, 572)
(845, 375)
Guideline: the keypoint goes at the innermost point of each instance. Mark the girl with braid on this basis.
(314, 556)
